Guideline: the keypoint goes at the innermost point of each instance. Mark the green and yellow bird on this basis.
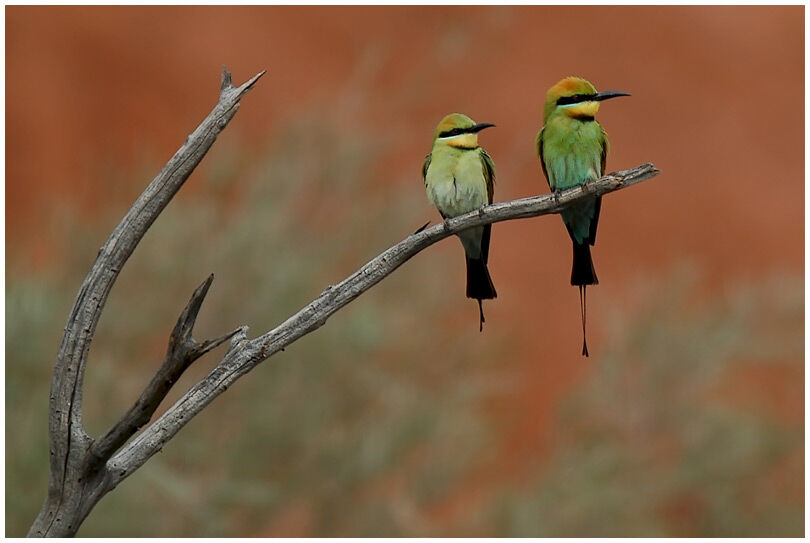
(459, 178)
(572, 148)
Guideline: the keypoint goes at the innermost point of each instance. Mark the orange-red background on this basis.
(717, 105)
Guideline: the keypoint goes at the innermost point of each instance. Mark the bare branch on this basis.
(245, 354)
(83, 470)
(182, 351)
(69, 441)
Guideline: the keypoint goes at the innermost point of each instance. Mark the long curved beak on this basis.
(607, 95)
(480, 126)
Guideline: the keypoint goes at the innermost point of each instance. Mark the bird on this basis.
(572, 148)
(459, 177)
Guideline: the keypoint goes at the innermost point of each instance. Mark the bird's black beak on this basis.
(607, 95)
(478, 127)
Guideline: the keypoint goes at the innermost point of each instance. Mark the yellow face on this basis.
(461, 141)
(583, 109)
(570, 86)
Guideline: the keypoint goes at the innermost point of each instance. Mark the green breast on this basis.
(572, 152)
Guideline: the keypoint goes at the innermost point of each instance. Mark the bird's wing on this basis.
(605, 145)
(489, 174)
(425, 167)
(598, 207)
(538, 144)
(489, 178)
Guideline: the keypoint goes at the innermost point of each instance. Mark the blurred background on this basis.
(398, 418)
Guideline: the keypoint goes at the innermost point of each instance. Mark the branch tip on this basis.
(234, 94)
(187, 319)
(252, 81)
(211, 344)
(227, 81)
(248, 85)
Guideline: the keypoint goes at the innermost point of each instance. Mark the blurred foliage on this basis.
(365, 426)
(674, 433)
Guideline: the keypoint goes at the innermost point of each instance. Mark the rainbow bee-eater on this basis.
(459, 178)
(572, 148)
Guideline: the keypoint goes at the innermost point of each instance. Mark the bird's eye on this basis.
(567, 100)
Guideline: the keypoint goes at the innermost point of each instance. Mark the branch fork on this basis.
(183, 350)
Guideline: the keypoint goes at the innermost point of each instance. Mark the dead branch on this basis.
(83, 470)
(78, 478)
(245, 354)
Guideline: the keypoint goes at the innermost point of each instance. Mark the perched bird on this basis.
(459, 178)
(572, 148)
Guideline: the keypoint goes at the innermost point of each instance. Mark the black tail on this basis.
(582, 275)
(582, 272)
(479, 285)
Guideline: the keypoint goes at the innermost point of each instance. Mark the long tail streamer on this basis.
(582, 310)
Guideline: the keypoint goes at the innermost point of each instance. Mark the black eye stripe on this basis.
(574, 99)
(454, 132)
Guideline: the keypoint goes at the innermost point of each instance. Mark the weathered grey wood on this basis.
(83, 470)
(243, 354)
(76, 481)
